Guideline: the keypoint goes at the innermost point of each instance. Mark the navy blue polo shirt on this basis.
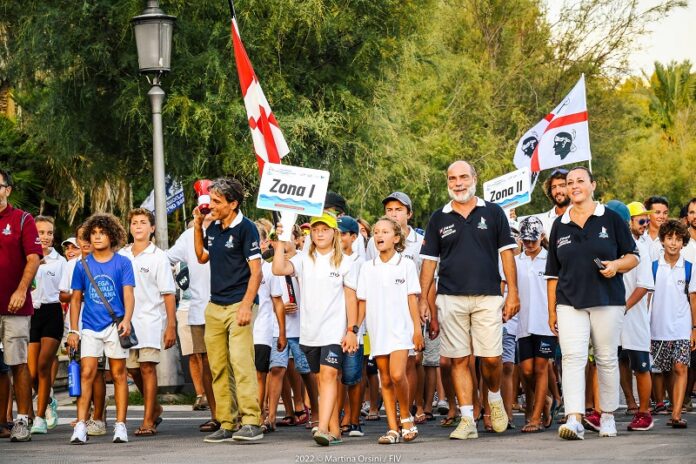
(572, 251)
(468, 248)
(230, 250)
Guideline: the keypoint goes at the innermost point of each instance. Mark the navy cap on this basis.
(620, 209)
(401, 197)
(336, 201)
(348, 224)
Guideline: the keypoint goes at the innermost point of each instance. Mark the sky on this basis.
(672, 38)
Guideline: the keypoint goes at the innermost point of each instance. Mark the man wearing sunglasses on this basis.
(640, 219)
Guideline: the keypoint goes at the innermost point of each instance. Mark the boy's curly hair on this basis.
(109, 224)
(674, 227)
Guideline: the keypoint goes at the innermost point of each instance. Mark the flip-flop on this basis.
(429, 416)
(679, 423)
(304, 414)
(532, 428)
(287, 421)
(210, 426)
(372, 417)
(450, 421)
(146, 432)
(158, 421)
(421, 419)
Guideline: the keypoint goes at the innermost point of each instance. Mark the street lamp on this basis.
(153, 37)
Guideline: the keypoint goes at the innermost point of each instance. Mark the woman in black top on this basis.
(589, 248)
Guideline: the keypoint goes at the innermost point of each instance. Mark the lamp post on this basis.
(153, 37)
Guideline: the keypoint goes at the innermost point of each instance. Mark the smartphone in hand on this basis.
(599, 264)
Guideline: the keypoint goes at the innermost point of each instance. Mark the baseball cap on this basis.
(636, 208)
(348, 224)
(620, 209)
(401, 197)
(327, 218)
(531, 228)
(336, 201)
(71, 240)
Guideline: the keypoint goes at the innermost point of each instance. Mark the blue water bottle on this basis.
(74, 385)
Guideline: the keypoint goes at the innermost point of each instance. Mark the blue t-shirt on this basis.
(111, 277)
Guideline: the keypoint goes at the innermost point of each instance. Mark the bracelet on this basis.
(76, 332)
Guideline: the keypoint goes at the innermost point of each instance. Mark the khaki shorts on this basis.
(14, 335)
(468, 322)
(198, 338)
(141, 355)
(184, 332)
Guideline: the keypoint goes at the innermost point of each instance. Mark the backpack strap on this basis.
(687, 271)
(655, 264)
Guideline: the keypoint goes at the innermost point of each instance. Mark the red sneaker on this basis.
(641, 421)
(592, 421)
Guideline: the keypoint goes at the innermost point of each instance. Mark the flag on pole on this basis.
(269, 143)
(174, 193)
(566, 137)
(528, 143)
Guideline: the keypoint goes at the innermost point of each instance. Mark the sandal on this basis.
(531, 427)
(372, 417)
(429, 416)
(326, 439)
(268, 427)
(450, 421)
(158, 421)
(312, 425)
(210, 426)
(631, 411)
(345, 429)
(287, 421)
(676, 423)
(548, 422)
(390, 438)
(409, 434)
(146, 432)
(301, 417)
(488, 428)
(421, 419)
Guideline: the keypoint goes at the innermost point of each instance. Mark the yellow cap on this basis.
(327, 218)
(636, 208)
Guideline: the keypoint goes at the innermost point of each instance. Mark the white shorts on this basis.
(104, 343)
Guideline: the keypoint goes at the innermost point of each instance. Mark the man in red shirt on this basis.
(20, 254)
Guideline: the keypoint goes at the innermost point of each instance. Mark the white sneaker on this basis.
(52, 414)
(120, 433)
(499, 418)
(607, 425)
(39, 426)
(572, 430)
(79, 436)
(96, 428)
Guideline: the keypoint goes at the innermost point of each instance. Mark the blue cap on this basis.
(348, 224)
(620, 209)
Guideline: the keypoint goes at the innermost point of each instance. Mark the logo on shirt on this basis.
(51, 273)
(331, 358)
(447, 230)
(107, 287)
(565, 240)
(7, 230)
(210, 241)
(230, 242)
(144, 270)
(603, 233)
(399, 281)
(334, 274)
(681, 282)
(482, 224)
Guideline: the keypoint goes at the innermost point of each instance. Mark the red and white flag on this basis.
(269, 143)
(566, 137)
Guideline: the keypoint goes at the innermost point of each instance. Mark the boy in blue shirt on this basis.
(99, 335)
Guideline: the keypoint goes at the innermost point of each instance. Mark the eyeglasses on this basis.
(560, 171)
(642, 222)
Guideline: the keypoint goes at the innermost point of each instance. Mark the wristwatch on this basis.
(355, 329)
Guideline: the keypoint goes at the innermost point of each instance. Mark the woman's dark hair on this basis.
(655, 200)
(583, 168)
(674, 227)
(229, 188)
(109, 224)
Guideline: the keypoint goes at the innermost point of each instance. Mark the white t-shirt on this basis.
(635, 332)
(511, 325)
(654, 246)
(48, 279)
(353, 283)
(689, 251)
(153, 279)
(385, 288)
(414, 242)
(670, 316)
(65, 286)
(323, 302)
(292, 320)
(534, 305)
(184, 251)
(265, 316)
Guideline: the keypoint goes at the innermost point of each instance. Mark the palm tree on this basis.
(671, 90)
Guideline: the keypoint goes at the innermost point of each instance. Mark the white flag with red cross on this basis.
(566, 137)
(269, 143)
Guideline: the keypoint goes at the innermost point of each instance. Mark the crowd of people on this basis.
(467, 317)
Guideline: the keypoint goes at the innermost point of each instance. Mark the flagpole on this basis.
(232, 12)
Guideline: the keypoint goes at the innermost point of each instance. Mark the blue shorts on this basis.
(352, 367)
(639, 361)
(4, 368)
(509, 345)
(281, 359)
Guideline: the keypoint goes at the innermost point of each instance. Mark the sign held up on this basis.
(510, 190)
(292, 189)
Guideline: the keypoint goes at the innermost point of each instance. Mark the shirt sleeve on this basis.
(250, 243)
(412, 285)
(431, 243)
(276, 284)
(505, 240)
(553, 266)
(624, 240)
(692, 283)
(371, 251)
(78, 277)
(66, 278)
(361, 289)
(30, 237)
(350, 278)
(127, 275)
(177, 253)
(297, 264)
(165, 277)
(644, 277)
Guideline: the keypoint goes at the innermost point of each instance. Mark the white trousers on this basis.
(576, 327)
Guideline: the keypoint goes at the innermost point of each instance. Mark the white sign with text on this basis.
(510, 190)
(292, 189)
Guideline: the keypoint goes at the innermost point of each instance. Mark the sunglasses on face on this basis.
(642, 222)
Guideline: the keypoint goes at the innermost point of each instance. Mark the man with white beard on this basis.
(465, 237)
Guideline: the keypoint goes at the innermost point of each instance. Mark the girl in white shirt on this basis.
(328, 326)
(46, 330)
(387, 296)
(535, 341)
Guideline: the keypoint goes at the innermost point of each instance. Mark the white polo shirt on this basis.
(635, 332)
(670, 317)
(352, 282)
(184, 251)
(689, 251)
(385, 288)
(48, 279)
(265, 316)
(534, 312)
(414, 242)
(153, 278)
(654, 246)
(292, 320)
(323, 303)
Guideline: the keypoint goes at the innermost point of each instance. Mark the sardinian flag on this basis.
(269, 143)
(528, 143)
(566, 138)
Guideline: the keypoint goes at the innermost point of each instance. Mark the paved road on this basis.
(180, 442)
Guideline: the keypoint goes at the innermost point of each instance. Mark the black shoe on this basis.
(219, 436)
